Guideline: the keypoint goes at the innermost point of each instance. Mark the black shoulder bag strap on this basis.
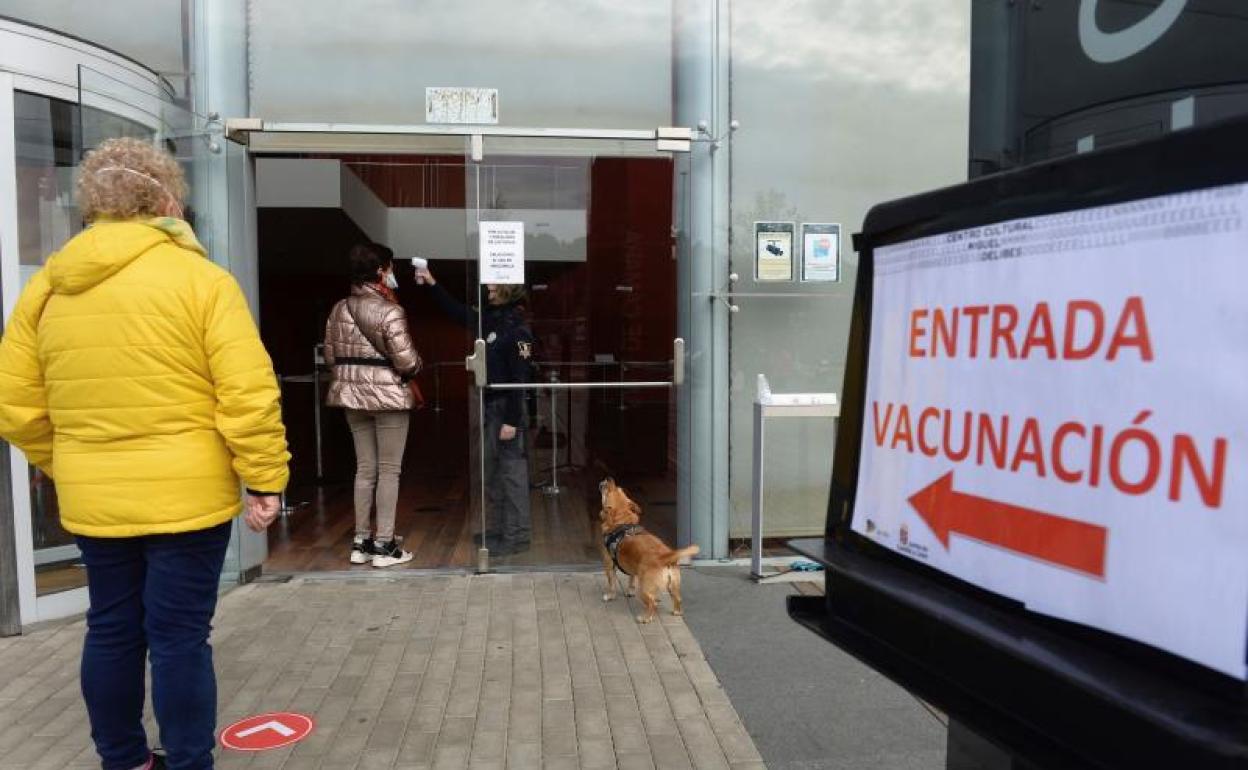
(379, 349)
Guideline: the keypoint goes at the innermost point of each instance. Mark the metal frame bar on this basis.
(317, 360)
(553, 488)
(282, 127)
(18, 602)
(437, 366)
(10, 596)
(580, 385)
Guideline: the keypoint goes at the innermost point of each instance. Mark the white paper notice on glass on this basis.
(502, 252)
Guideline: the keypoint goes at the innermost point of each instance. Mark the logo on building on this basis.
(1109, 47)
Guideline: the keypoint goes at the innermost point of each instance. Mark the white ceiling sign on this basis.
(461, 106)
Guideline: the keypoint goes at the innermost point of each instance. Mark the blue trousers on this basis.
(154, 594)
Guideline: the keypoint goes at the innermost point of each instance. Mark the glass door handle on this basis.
(475, 363)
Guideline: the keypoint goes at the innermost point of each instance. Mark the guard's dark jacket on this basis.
(508, 345)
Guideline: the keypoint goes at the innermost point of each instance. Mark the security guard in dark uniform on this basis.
(509, 352)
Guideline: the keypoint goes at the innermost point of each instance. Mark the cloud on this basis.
(534, 27)
(918, 45)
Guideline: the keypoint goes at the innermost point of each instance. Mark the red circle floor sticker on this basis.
(267, 731)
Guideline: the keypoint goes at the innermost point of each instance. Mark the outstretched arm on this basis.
(456, 310)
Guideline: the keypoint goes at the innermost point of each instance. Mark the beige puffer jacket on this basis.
(369, 349)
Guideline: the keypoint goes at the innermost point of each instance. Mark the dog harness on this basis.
(615, 537)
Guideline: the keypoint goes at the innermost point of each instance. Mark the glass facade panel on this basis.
(586, 64)
(601, 276)
(841, 105)
(150, 32)
(47, 132)
(50, 137)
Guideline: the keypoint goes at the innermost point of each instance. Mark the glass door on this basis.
(409, 197)
(574, 266)
(52, 130)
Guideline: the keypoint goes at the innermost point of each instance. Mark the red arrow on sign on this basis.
(1050, 538)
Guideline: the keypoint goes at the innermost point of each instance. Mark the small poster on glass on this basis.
(773, 251)
(821, 252)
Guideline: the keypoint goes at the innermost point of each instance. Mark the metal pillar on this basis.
(701, 89)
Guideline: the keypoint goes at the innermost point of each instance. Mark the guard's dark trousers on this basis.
(506, 478)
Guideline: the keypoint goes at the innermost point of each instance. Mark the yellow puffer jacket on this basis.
(132, 373)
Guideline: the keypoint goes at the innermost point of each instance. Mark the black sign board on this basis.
(1056, 694)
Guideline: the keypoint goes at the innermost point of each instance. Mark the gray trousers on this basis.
(506, 479)
(380, 438)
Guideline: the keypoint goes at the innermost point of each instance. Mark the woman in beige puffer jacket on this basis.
(372, 357)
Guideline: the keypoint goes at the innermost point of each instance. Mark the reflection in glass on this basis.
(46, 132)
(881, 112)
(601, 305)
(50, 137)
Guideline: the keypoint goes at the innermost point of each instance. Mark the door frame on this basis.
(272, 137)
(263, 137)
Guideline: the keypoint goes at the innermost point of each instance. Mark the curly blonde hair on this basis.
(128, 179)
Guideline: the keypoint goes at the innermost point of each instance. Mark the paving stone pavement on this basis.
(480, 672)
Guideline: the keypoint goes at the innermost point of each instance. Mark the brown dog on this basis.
(649, 563)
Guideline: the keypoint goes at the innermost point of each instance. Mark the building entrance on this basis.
(598, 396)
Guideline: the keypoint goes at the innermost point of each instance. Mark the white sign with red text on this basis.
(1057, 411)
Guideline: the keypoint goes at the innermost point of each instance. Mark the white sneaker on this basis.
(389, 554)
(362, 549)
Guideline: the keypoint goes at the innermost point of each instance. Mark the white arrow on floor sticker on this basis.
(273, 725)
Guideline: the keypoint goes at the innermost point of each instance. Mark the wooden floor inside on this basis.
(437, 514)
(436, 521)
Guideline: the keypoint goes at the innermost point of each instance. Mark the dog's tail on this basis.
(673, 557)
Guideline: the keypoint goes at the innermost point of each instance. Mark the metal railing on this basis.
(621, 368)
(476, 366)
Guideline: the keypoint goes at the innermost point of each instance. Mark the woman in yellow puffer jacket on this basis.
(132, 374)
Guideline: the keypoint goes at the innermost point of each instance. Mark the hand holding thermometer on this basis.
(420, 266)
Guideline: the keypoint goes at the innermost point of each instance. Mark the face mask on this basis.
(391, 282)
